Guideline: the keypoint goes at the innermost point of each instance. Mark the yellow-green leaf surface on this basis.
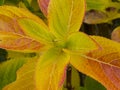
(35, 30)
(8, 71)
(51, 70)
(9, 68)
(116, 34)
(80, 43)
(65, 16)
(25, 78)
(13, 36)
(102, 65)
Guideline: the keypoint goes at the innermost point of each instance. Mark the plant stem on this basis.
(68, 79)
(82, 79)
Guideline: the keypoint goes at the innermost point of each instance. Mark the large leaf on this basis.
(102, 65)
(14, 37)
(51, 70)
(25, 78)
(65, 16)
(8, 68)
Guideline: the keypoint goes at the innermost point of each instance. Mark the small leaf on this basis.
(51, 70)
(116, 34)
(43, 4)
(65, 16)
(80, 43)
(101, 11)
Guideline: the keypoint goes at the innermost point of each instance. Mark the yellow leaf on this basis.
(65, 16)
(51, 70)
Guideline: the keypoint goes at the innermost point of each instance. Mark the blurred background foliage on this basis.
(102, 16)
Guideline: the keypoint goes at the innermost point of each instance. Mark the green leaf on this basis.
(91, 84)
(12, 2)
(9, 68)
(25, 77)
(51, 70)
(1, 2)
(36, 30)
(75, 79)
(65, 16)
(80, 43)
(8, 71)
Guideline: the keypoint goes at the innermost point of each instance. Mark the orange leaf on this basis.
(13, 36)
(103, 65)
(15, 42)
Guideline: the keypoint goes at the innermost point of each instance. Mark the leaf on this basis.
(80, 43)
(25, 78)
(9, 68)
(1, 2)
(15, 42)
(35, 30)
(12, 2)
(15, 13)
(75, 78)
(10, 30)
(116, 34)
(65, 17)
(43, 4)
(102, 11)
(51, 70)
(8, 71)
(91, 84)
(102, 65)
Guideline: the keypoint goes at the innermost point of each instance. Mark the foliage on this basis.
(102, 11)
(116, 34)
(57, 44)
